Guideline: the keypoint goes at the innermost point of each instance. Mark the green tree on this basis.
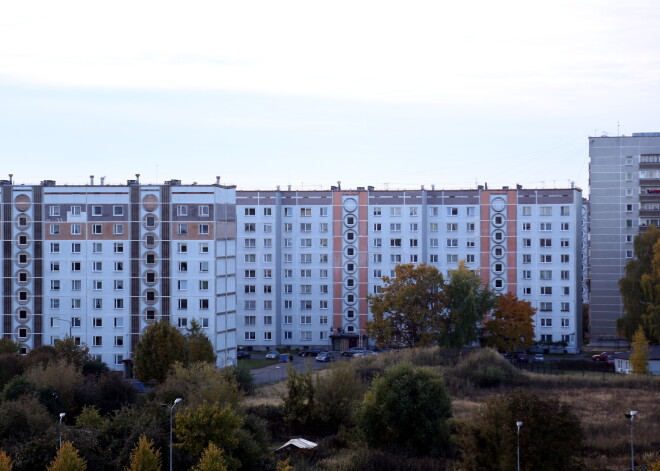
(145, 457)
(67, 459)
(196, 427)
(72, 352)
(284, 465)
(468, 299)
(407, 408)
(409, 307)
(336, 396)
(550, 436)
(6, 463)
(212, 459)
(639, 359)
(198, 345)
(511, 324)
(640, 287)
(159, 348)
(89, 418)
(9, 346)
(299, 398)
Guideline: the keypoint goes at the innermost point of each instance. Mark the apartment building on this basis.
(102, 262)
(624, 199)
(308, 259)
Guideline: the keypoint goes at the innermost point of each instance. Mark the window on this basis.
(546, 226)
(305, 242)
(97, 341)
(203, 266)
(203, 229)
(545, 210)
(288, 242)
(305, 335)
(565, 307)
(565, 322)
(305, 289)
(565, 275)
(250, 243)
(470, 243)
(378, 258)
(54, 303)
(323, 212)
(268, 273)
(306, 305)
(452, 227)
(97, 285)
(565, 226)
(183, 304)
(75, 303)
(288, 212)
(527, 291)
(395, 242)
(413, 211)
(203, 285)
(395, 258)
(546, 258)
(323, 304)
(119, 266)
(76, 229)
(75, 266)
(527, 258)
(183, 266)
(55, 229)
(471, 211)
(395, 211)
(434, 258)
(97, 229)
(54, 211)
(565, 243)
(565, 258)
(323, 227)
(118, 229)
(452, 211)
(452, 258)
(470, 227)
(305, 212)
(324, 289)
(181, 210)
(182, 285)
(545, 242)
(452, 242)
(54, 266)
(55, 285)
(119, 303)
(97, 322)
(118, 247)
(546, 290)
(546, 274)
(378, 242)
(150, 221)
(323, 273)
(526, 210)
(546, 322)
(527, 274)
(545, 307)
(565, 290)
(527, 226)
(182, 229)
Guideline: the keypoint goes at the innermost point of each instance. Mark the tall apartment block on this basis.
(624, 181)
(102, 262)
(308, 259)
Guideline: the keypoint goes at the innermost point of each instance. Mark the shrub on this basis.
(299, 398)
(407, 408)
(550, 437)
(145, 457)
(23, 419)
(337, 394)
(485, 368)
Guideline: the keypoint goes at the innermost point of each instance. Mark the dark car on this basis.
(352, 351)
(243, 355)
(309, 352)
(325, 357)
(522, 358)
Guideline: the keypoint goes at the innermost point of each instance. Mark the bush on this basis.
(550, 437)
(407, 408)
(337, 394)
(485, 368)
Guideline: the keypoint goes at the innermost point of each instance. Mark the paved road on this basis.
(277, 371)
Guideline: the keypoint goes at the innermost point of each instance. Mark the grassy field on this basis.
(599, 401)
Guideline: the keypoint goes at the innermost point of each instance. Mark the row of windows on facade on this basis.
(397, 226)
(250, 243)
(118, 229)
(118, 303)
(119, 266)
(412, 211)
(118, 247)
(118, 210)
(304, 335)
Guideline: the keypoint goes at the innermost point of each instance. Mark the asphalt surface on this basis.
(278, 370)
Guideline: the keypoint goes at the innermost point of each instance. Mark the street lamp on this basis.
(61, 417)
(176, 401)
(518, 425)
(70, 323)
(631, 416)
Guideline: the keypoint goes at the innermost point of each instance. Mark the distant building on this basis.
(622, 362)
(624, 200)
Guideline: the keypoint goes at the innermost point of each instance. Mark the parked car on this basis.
(352, 351)
(539, 358)
(273, 355)
(243, 355)
(601, 356)
(309, 352)
(325, 357)
(522, 358)
(363, 353)
(610, 358)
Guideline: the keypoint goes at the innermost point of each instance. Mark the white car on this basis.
(272, 355)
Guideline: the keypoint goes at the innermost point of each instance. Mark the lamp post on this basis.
(70, 324)
(176, 401)
(631, 416)
(61, 417)
(518, 425)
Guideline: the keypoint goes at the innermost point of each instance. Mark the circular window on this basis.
(22, 259)
(150, 296)
(498, 284)
(150, 259)
(350, 252)
(22, 314)
(150, 221)
(498, 220)
(22, 202)
(498, 252)
(350, 267)
(350, 221)
(22, 296)
(350, 314)
(350, 298)
(497, 267)
(498, 236)
(150, 315)
(350, 237)
(350, 283)
(149, 240)
(498, 204)
(150, 202)
(22, 240)
(23, 277)
(350, 204)
(22, 221)
(150, 277)
(350, 328)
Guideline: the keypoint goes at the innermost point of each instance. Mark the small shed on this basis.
(622, 361)
(296, 444)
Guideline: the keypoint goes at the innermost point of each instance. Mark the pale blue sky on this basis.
(304, 93)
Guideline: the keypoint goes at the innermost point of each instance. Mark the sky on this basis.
(308, 93)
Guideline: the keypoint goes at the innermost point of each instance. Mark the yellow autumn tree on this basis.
(640, 355)
(6, 464)
(67, 459)
(511, 324)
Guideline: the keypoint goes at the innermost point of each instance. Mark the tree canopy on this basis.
(639, 358)
(511, 324)
(67, 459)
(640, 288)
(198, 346)
(160, 346)
(418, 307)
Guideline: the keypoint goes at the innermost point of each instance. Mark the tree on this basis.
(468, 300)
(145, 457)
(299, 398)
(284, 465)
(550, 435)
(639, 359)
(409, 306)
(640, 287)
(72, 352)
(198, 345)
(6, 464)
(89, 418)
(197, 427)
(67, 459)
(9, 346)
(407, 408)
(159, 348)
(212, 459)
(511, 324)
